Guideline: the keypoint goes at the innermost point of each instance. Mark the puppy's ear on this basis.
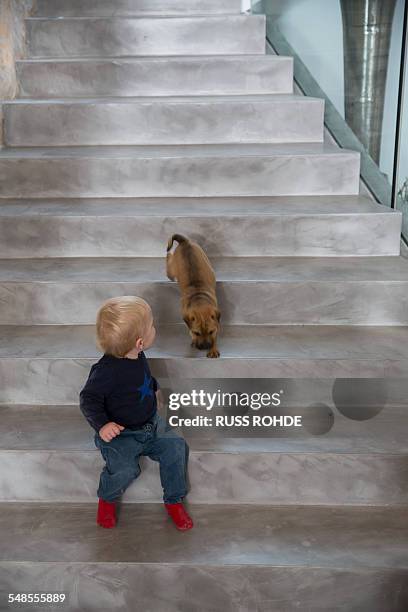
(186, 320)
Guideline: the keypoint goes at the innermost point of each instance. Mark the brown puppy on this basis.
(190, 266)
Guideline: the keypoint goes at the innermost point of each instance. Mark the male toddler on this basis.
(119, 401)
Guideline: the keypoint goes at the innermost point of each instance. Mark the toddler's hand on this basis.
(110, 431)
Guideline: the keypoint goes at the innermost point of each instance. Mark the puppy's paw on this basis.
(213, 353)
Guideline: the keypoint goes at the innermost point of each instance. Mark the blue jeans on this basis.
(156, 440)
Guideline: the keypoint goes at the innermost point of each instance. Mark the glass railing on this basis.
(352, 53)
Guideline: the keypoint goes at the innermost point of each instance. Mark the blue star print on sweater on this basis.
(120, 390)
(145, 389)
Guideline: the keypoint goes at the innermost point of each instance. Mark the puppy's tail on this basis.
(178, 237)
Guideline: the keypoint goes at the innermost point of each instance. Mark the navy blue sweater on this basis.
(120, 390)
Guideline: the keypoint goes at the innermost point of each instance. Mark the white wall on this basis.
(403, 166)
(314, 29)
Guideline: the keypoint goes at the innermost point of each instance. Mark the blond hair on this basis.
(120, 322)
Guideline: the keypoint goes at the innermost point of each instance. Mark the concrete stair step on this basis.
(319, 226)
(228, 470)
(179, 170)
(163, 120)
(271, 538)
(237, 557)
(107, 8)
(382, 431)
(156, 76)
(238, 472)
(48, 364)
(143, 36)
(257, 290)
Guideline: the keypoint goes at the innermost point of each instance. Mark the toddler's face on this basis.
(150, 333)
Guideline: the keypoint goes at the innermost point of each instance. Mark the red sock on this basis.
(180, 517)
(106, 514)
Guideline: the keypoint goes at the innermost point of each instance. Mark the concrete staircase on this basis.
(138, 118)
